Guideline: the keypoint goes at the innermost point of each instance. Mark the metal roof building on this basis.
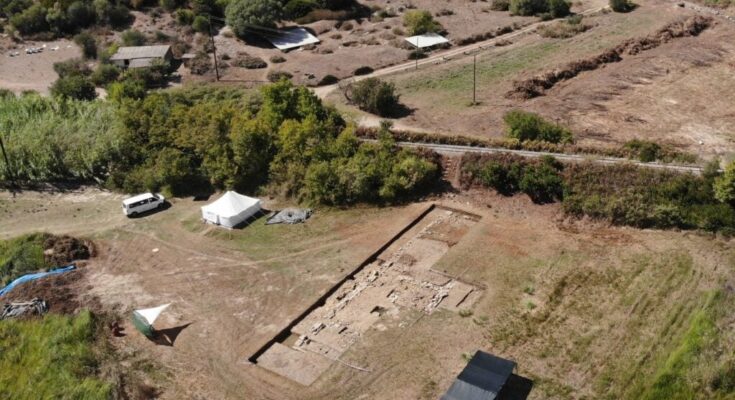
(483, 378)
(141, 56)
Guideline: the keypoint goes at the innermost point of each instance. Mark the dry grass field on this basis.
(587, 311)
(678, 93)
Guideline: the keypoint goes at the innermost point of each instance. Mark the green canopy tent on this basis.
(143, 319)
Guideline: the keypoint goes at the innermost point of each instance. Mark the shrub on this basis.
(276, 59)
(184, 16)
(542, 182)
(558, 8)
(168, 5)
(528, 7)
(563, 30)
(620, 5)
(245, 60)
(74, 87)
(298, 8)
(526, 126)
(200, 24)
(80, 15)
(646, 151)
(200, 64)
(244, 13)
(724, 185)
(276, 76)
(132, 37)
(419, 22)
(328, 80)
(88, 44)
(500, 5)
(119, 16)
(128, 88)
(71, 67)
(32, 20)
(374, 96)
(364, 70)
(105, 74)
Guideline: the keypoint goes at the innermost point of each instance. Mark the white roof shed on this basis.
(230, 210)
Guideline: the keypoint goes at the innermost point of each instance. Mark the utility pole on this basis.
(416, 55)
(474, 80)
(7, 163)
(214, 49)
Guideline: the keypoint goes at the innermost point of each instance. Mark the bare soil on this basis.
(32, 71)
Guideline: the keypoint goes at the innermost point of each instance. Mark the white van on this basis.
(141, 203)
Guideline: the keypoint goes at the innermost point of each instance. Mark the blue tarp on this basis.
(33, 277)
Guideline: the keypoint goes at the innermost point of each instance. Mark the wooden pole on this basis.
(474, 80)
(7, 163)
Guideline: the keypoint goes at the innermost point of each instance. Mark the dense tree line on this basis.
(622, 194)
(184, 141)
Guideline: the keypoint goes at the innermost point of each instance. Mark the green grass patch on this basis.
(21, 255)
(50, 358)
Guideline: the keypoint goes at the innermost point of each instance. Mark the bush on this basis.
(563, 30)
(275, 76)
(200, 24)
(74, 87)
(528, 7)
(328, 80)
(129, 88)
(119, 16)
(32, 20)
(620, 5)
(242, 14)
(132, 37)
(298, 8)
(168, 5)
(374, 96)
(500, 5)
(276, 59)
(542, 182)
(558, 8)
(419, 22)
(88, 44)
(105, 74)
(245, 60)
(184, 16)
(71, 67)
(526, 126)
(80, 15)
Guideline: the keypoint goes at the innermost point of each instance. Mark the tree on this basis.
(200, 24)
(724, 185)
(32, 20)
(620, 5)
(128, 88)
(74, 87)
(528, 7)
(419, 22)
(105, 74)
(243, 14)
(558, 8)
(119, 16)
(88, 44)
(374, 96)
(80, 15)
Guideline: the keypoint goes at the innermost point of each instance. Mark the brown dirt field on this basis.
(594, 309)
(678, 93)
(32, 71)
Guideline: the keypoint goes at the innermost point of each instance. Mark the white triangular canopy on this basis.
(151, 314)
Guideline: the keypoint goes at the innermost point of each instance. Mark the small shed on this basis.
(482, 379)
(230, 210)
(141, 56)
(426, 40)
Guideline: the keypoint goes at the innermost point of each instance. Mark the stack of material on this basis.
(33, 307)
(290, 216)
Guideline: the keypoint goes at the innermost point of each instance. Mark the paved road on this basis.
(448, 149)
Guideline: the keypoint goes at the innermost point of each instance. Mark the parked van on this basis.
(142, 203)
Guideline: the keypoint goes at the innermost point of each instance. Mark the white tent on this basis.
(426, 40)
(143, 319)
(230, 209)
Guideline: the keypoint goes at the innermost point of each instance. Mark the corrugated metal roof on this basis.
(130, 53)
(141, 62)
(482, 378)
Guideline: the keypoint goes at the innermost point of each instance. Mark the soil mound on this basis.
(536, 86)
(62, 250)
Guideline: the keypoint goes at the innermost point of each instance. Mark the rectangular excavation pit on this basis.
(398, 276)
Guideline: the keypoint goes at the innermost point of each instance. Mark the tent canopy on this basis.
(426, 40)
(230, 209)
(482, 379)
(143, 319)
